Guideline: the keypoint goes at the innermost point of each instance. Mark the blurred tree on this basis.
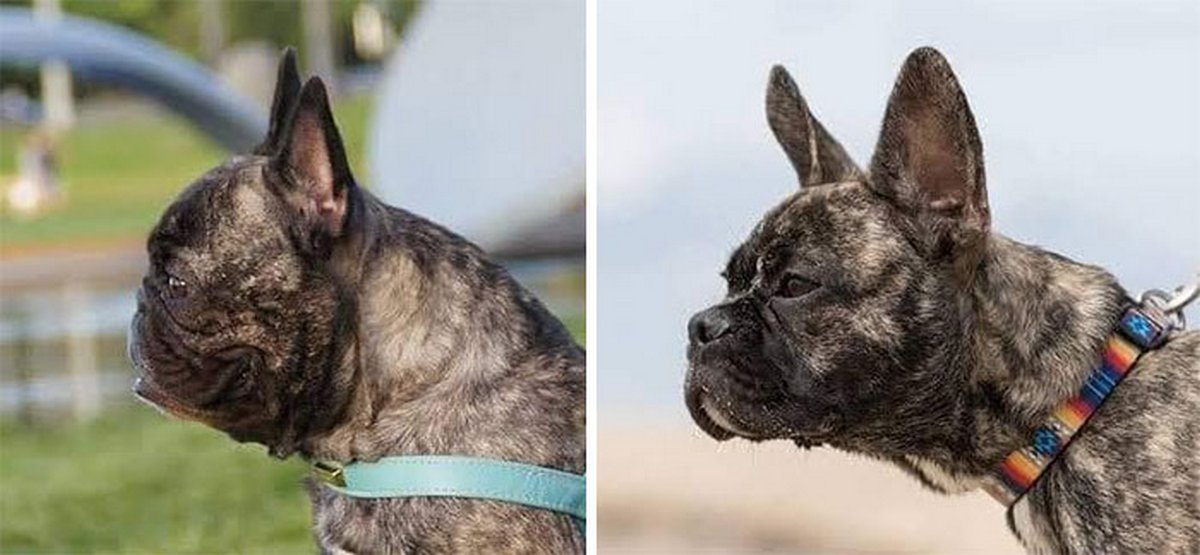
(173, 22)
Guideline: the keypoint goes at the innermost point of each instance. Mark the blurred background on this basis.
(468, 112)
(1091, 131)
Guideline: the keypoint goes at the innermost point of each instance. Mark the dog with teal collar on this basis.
(441, 404)
(874, 310)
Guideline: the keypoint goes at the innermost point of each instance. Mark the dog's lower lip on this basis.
(144, 390)
(147, 392)
(693, 398)
(724, 422)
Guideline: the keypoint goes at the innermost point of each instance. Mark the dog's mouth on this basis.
(718, 417)
(713, 416)
(694, 398)
(711, 409)
(148, 391)
(722, 425)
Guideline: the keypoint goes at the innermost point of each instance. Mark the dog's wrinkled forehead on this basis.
(228, 197)
(837, 225)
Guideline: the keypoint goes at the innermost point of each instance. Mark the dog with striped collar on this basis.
(877, 312)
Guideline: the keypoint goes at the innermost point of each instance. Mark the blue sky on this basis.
(1088, 113)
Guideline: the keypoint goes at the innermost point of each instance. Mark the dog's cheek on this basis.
(802, 342)
(250, 418)
(828, 369)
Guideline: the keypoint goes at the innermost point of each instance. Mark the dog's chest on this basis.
(437, 525)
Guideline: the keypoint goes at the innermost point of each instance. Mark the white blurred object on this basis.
(242, 67)
(37, 182)
(373, 33)
(319, 48)
(480, 119)
(56, 77)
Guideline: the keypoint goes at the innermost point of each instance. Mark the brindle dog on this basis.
(876, 312)
(287, 306)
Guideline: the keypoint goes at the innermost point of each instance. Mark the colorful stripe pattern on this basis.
(1137, 332)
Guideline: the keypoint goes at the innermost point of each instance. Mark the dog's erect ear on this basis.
(929, 158)
(313, 162)
(287, 88)
(817, 157)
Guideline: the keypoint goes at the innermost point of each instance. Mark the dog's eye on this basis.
(795, 286)
(244, 379)
(176, 285)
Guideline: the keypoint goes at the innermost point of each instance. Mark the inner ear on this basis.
(287, 89)
(313, 162)
(929, 156)
(817, 157)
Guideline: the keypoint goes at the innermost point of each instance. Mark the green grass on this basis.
(577, 325)
(120, 175)
(135, 481)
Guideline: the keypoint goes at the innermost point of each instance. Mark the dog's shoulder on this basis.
(1144, 438)
(1166, 380)
(1180, 354)
(1161, 394)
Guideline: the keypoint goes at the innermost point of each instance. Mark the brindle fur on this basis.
(319, 321)
(929, 341)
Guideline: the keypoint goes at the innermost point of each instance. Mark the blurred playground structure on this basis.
(101, 124)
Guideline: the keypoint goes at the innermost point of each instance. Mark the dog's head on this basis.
(238, 315)
(847, 283)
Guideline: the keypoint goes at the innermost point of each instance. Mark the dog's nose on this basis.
(708, 326)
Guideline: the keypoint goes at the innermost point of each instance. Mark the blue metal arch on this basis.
(114, 56)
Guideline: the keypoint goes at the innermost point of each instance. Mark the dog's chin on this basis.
(721, 426)
(718, 419)
(148, 391)
(711, 409)
(806, 443)
(709, 416)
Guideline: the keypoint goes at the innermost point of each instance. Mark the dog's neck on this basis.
(1034, 327)
(1042, 324)
(445, 341)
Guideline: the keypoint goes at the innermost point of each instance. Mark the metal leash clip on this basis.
(1171, 305)
(329, 472)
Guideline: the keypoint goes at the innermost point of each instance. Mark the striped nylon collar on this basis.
(1140, 329)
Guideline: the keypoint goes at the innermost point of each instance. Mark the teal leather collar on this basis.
(454, 476)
